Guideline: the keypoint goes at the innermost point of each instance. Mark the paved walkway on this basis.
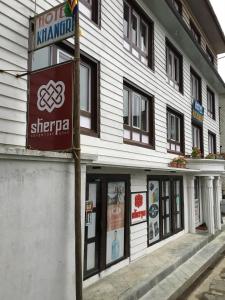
(136, 279)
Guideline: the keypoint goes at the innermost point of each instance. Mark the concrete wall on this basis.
(36, 228)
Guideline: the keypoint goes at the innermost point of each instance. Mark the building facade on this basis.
(150, 92)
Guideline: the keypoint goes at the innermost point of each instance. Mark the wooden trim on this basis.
(195, 74)
(180, 57)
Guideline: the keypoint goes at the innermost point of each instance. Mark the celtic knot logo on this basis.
(51, 96)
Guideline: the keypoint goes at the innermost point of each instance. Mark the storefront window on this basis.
(153, 211)
(115, 221)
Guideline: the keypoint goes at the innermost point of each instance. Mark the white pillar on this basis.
(209, 202)
(218, 194)
(191, 204)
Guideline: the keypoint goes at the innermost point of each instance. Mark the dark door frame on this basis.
(103, 180)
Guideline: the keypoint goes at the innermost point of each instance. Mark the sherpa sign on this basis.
(52, 26)
(50, 108)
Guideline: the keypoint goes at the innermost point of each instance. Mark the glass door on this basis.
(91, 243)
(177, 208)
(166, 209)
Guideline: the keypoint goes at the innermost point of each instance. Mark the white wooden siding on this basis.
(106, 45)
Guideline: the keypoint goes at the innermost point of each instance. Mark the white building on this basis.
(145, 66)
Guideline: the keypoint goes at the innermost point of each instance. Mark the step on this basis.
(174, 285)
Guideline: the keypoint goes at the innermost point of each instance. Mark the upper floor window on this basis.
(138, 31)
(175, 125)
(178, 6)
(210, 55)
(137, 116)
(174, 67)
(196, 86)
(212, 142)
(88, 91)
(195, 32)
(90, 8)
(197, 137)
(210, 104)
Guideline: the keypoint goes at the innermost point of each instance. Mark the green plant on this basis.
(196, 153)
(210, 156)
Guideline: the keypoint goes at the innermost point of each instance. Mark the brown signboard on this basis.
(50, 108)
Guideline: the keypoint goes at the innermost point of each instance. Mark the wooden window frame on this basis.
(104, 179)
(142, 17)
(95, 87)
(171, 50)
(94, 7)
(150, 114)
(213, 136)
(211, 104)
(174, 142)
(200, 127)
(171, 179)
(179, 5)
(195, 32)
(210, 55)
(199, 80)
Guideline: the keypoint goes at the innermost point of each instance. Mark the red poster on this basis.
(50, 108)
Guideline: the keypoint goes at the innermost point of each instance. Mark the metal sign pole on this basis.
(77, 166)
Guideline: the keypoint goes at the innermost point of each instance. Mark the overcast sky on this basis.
(219, 8)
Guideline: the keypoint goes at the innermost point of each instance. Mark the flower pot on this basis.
(173, 164)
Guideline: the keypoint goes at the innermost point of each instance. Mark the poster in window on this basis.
(115, 221)
(153, 212)
(138, 207)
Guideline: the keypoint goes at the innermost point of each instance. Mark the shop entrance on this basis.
(165, 207)
(106, 222)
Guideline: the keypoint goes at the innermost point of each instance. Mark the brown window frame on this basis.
(171, 50)
(179, 6)
(95, 87)
(150, 114)
(210, 55)
(213, 136)
(198, 78)
(180, 143)
(211, 106)
(200, 128)
(195, 32)
(134, 8)
(94, 7)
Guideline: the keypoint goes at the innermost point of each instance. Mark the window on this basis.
(178, 6)
(212, 142)
(174, 67)
(174, 132)
(88, 91)
(137, 117)
(90, 8)
(196, 85)
(165, 207)
(195, 32)
(138, 31)
(210, 55)
(197, 140)
(210, 103)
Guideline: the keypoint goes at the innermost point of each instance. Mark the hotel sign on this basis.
(197, 111)
(52, 26)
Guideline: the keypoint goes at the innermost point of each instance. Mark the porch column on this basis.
(209, 203)
(218, 194)
(191, 204)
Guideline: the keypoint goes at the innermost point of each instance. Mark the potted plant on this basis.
(196, 152)
(210, 156)
(181, 162)
(178, 162)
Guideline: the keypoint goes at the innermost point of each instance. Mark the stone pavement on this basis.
(144, 275)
